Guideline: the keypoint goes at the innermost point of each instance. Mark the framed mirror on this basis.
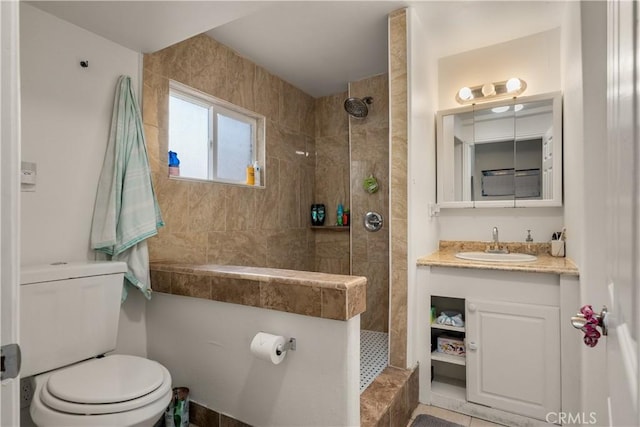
(501, 154)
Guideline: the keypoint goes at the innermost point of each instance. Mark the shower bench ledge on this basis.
(327, 296)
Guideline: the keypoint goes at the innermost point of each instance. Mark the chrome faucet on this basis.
(495, 247)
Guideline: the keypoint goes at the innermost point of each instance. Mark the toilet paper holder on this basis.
(289, 345)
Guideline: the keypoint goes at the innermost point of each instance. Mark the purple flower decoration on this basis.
(591, 334)
(587, 311)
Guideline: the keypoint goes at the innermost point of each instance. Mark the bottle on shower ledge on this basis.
(339, 214)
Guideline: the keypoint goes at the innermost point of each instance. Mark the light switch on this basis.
(28, 173)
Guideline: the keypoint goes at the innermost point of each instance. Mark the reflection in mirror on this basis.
(500, 154)
(494, 134)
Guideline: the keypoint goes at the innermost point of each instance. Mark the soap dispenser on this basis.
(529, 241)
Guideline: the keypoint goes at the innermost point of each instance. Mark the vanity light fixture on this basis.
(489, 91)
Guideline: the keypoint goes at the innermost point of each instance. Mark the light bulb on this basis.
(518, 107)
(513, 84)
(500, 109)
(465, 94)
(488, 89)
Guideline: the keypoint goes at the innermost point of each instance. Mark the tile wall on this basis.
(332, 181)
(370, 156)
(398, 96)
(307, 161)
(225, 224)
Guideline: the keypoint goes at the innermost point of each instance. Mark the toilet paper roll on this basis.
(268, 347)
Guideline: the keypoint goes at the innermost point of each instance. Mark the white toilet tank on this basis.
(68, 312)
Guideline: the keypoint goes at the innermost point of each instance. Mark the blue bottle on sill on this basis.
(174, 164)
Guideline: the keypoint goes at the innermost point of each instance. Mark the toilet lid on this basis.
(123, 366)
(110, 379)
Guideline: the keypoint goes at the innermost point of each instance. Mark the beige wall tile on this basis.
(330, 265)
(267, 208)
(369, 150)
(176, 62)
(160, 281)
(240, 77)
(241, 208)
(287, 249)
(288, 195)
(230, 224)
(237, 248)
(267, 89)
(226, 421)
(292, 103)
(291, 298)
(413, 390)
(399, 243)
(331, 118)
(207, 206)
(376, 318)
(236, 291)
(398, 183)
(153, 63)
(209, 67)
(152, 142)
(356, 300)
(201, 416)
(398, 331)
(178, 247)
(334, 304)
(191, 285)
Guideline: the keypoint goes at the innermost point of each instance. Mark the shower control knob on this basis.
(373, 221)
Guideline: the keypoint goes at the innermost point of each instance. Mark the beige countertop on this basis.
(329, 296)
(445, 257)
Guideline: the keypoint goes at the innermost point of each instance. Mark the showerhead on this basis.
(357, 107)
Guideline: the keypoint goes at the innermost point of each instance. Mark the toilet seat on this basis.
(112, 384)
(49, 410)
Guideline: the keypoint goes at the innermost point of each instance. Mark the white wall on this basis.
(423, 83)
(205, 346)
(584, 81)
(536, 59)
(66, 115)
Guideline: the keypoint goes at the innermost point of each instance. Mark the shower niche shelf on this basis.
(330, 227)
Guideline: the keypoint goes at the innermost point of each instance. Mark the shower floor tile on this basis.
(374, 351)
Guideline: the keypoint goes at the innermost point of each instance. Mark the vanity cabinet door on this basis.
(513, 357)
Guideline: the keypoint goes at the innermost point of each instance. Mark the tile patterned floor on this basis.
(454, 417)
(374, 356)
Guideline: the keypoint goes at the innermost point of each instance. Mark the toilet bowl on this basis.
(116, 390)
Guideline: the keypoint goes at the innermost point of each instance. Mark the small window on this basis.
(213, 139)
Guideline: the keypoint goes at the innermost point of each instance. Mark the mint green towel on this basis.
(126, 210)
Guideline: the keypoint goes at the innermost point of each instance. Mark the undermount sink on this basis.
(489, 257)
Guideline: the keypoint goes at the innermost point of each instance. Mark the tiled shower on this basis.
(348, 151)
(315, 153)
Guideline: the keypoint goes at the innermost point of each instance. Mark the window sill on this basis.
(211, 181)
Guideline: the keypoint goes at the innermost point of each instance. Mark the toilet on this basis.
(69, 321)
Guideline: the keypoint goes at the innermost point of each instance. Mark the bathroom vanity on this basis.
(520, 356)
